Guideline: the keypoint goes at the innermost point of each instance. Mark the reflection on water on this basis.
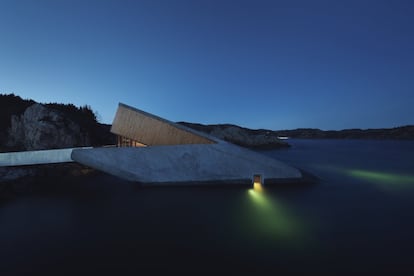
(384, 179)
(344, 221)
(270, 220)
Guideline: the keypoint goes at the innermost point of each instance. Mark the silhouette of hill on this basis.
(399, 133)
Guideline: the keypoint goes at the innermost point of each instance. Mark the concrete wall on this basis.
(36, 157)
(190, 164)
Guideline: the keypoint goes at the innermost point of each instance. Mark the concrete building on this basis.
(155, 151)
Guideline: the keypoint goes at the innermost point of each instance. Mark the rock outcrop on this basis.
(242, 137)
(259, 139)
(10, 174)
(40, 127)
(27, 179)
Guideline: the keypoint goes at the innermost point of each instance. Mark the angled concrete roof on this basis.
(151, 130)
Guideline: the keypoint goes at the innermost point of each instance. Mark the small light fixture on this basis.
(257, 182)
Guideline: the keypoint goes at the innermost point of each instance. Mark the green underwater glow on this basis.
(269, 219)
(381, 179)
(386, 180)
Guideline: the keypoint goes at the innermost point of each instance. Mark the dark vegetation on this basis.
(10, 104)
(86, 118)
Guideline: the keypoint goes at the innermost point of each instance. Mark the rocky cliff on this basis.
(27, 125)
(40, 127)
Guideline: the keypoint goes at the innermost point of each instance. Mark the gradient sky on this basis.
(259, 64)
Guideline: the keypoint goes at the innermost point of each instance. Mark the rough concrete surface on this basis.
(184, 163)
(36, 157)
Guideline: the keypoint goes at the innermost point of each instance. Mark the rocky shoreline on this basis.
(30, 179)
(249, 138)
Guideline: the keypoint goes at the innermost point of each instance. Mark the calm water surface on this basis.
(358, 218)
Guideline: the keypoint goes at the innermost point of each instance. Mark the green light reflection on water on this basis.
(384, 179)
(381, 179)
(270, 220)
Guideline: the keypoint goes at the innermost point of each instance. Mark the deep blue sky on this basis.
(260, 64)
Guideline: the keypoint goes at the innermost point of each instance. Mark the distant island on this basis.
(230, 132)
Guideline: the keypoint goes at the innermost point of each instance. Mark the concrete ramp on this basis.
(37, 157)
(186, 164)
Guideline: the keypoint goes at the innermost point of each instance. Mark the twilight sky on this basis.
(259, 64)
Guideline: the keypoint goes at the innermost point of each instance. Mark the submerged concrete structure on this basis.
(155, 151)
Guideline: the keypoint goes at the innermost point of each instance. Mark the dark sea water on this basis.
(357, 219)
